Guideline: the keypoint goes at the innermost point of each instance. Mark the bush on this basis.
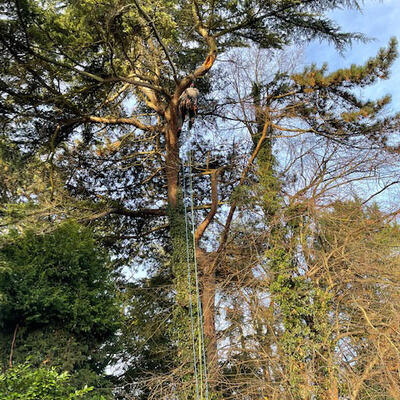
(23, 382)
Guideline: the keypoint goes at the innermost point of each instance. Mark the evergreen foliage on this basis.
(60, 61)
(148, 340)
(88, 108)
(58, 301)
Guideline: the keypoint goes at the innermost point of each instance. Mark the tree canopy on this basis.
(89, 110)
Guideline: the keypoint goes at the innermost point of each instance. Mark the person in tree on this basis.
(188, 106)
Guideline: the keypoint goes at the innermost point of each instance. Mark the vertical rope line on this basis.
(202, 357)
(189, 267)
(199, 300)
(199, 319)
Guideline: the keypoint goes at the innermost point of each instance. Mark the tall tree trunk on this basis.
(172, 162)
(184, 292)
(208, 286)
(181, 323)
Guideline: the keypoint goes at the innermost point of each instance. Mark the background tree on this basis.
(58, 305)
(283, 351)
(363, 251)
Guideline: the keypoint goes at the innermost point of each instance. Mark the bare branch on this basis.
(380, 191)
(119, 120)
(242, 178)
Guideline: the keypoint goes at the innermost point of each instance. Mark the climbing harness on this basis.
(199, 359)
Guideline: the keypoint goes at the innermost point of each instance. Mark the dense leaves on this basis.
(27, 383)
(58, 302)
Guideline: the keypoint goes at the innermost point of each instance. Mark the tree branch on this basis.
(97, 77)
(142, 212)
(214, 205)
(380, 191)
(120, 120)
(13, 344)
(211, 55)
(151, 23)
(139, 83)
(242, 178)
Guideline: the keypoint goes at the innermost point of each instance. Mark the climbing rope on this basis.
(200, 359)
(189, 269)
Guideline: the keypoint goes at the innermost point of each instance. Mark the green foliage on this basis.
(185, 298)
(303, 313)
(24, 382)
(68, 71)
(65, 58)
(65, 281)
(11, 162)
(57, 297)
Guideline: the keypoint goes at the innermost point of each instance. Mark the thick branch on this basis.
(137, 237)
(143, 212)
(214, 205)
(211, 56)
(152, 100)
(120, 120)
(139, 83)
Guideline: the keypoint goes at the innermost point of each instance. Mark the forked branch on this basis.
(214, 205)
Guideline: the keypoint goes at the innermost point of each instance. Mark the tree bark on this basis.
(177, 221)
(172, 161)
(207, 265)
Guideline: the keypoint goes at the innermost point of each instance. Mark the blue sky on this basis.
(379, 20)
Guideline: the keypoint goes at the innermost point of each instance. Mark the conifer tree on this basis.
(92, 90)
(58, 306)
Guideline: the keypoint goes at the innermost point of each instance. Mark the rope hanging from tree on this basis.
(199, 360)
